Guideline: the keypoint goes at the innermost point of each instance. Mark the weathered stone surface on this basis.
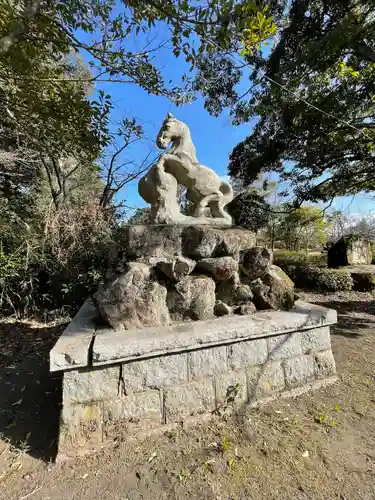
(72, 348)
(153, 373)
(245, 309)
(233, 293)
(137, 406)
(152, 243)
(194, 398)
(261, 294)
(80, 425)
(133, 300)
(284, 346)
(234, 241)
(274, 291)
(177, 268)
(147, 241)
(255, 262)
(221, 268)
(87, 384)
(207, 362)
(200, 242)
(324, 364)
(249, 353)
(112, 345)
(265, 380)
(231, 387)
(192, 297)
(225, 291)
(222, 309)
(298, 371)
(349, 250)
(317, 339)
(242, 294)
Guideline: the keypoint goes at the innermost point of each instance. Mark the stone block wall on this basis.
(164, 389)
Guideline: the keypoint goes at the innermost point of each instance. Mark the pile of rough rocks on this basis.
(164, 274)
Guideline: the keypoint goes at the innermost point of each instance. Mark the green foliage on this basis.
(141, 216)
(302, 228)
(249, 210)
(322, 279)
(363, 281)
(60, 268)
(284, 258)
(323, 58)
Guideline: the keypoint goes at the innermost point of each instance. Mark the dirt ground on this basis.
(318, 446)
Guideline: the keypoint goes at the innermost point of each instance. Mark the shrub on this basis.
(285, 258)
(317, 259)
(363, 282)
(59, 271)
(316, 278)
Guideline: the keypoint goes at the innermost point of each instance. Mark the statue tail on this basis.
(227, 191)
(217, 206)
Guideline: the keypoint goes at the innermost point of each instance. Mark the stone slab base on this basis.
(129, 396)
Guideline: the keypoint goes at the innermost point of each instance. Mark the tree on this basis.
(249, 210)
(303, 228)
(140, 216)
(111, 25)
(339, 226)
(312, 97)
(117, 168)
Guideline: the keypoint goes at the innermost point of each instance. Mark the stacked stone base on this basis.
(193, 375)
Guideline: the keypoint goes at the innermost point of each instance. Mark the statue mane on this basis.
(190, 149)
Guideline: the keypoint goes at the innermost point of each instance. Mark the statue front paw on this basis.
(160, 165)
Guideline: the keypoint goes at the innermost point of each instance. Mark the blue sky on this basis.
(214, 138)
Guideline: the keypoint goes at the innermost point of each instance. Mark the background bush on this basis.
(59, 267)
(284, 258)
(322, 279)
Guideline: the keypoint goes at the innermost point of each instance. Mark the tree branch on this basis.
(19, 28)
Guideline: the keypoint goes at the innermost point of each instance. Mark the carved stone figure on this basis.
(180, 166)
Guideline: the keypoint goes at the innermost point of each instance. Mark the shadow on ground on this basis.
(30, 397)
(353, 317)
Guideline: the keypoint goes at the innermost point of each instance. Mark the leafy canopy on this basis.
(323, 57)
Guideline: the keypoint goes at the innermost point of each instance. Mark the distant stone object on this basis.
(180, 166)
(350, 250)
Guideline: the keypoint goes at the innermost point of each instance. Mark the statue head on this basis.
(169, 131)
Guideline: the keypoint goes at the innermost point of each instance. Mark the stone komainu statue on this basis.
(180, 166)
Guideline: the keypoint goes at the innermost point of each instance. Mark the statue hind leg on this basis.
(217, 209)
(207, 200)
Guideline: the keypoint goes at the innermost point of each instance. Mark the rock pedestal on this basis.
(166, 273)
